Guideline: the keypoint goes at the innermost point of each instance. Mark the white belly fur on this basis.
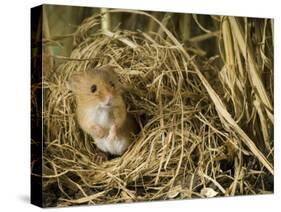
(104, 118)
(114, 147)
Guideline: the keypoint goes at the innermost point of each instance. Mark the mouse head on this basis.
(97, 87)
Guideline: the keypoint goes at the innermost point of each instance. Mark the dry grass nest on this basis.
(190, 144)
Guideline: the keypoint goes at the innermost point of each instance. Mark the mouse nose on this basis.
(108, 99)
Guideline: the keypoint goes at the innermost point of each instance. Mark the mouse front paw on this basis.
(111, 137)
(112, 133)
(99, 131)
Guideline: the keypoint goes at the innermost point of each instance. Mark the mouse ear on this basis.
(74, 81)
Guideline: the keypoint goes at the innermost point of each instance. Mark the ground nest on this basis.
(191, 143)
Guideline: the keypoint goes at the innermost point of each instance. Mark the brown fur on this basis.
(107, 85)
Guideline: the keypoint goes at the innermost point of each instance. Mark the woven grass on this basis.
(206, 129)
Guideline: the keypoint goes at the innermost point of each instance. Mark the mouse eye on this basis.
(93, 88)
(111, 83)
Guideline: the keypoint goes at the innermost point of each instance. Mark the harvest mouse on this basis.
(101, 110)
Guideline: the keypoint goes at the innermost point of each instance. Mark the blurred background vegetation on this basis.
(200, 31)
